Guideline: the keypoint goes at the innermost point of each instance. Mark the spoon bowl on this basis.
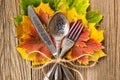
(58, 26)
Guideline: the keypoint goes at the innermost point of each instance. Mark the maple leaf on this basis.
(92, 46)
(75, 16)
(95, 34)
(45, 8)
(34, 43)
(18, 20)
(84, 45)
(81, 6)
(44, 17)
(98, 54)
(23, 29)
(25, 3)
(93, 17)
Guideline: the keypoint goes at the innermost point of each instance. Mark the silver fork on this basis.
(72, 37)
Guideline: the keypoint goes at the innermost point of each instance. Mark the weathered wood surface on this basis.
(12, 67)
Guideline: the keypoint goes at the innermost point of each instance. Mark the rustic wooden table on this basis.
(13, 67)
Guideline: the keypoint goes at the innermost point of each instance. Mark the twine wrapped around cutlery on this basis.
(61, 61)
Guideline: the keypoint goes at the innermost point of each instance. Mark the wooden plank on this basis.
(117, 23)
(107, 68)
(12, 67)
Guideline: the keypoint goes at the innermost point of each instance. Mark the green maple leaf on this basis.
(81, 6)
(25, 3)
(18, 19)
(94, 17)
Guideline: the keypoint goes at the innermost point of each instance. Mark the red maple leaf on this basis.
(34, 43)
(85, 45)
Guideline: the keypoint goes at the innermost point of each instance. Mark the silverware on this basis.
(51, 73)
(58, 73)
(46, 39)
(41, 31)
(72, 37)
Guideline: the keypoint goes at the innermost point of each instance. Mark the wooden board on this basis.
(13, 67)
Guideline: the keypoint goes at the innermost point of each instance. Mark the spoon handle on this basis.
(58, 42)
(51, 73)
(58, 73)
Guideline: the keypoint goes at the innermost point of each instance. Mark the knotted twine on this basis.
(61, 61)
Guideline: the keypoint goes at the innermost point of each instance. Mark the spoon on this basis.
(58, 28)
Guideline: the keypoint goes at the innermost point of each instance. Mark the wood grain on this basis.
(12, 67)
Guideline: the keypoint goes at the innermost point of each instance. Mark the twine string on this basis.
(61, 61)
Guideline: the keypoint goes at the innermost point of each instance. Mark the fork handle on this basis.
(67, 44)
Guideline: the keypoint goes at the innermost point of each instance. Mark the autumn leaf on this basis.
(81, 6)
(25, 3)
(98, 54)
(95, 34)
(45, 8)
(18, 20)
(75, 16)
(34, 43)
(93, 17)
(84, 45)
(23, 29)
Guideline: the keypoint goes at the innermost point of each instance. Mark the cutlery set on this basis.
(59, 28)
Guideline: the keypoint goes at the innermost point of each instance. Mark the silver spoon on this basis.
(58, 27)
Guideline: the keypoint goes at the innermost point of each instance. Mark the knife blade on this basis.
(41, 31)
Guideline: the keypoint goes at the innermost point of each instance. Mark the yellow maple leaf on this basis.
(34, 63)
(72, 15)
(97, 55)
(44, 7)
(24, 54)
(95, 34)
(68, 55)
(31, 57)
(63, 10)
(24, 28)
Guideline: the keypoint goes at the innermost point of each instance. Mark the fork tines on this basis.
(75, 30)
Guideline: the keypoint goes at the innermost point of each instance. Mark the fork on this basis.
(72, 37)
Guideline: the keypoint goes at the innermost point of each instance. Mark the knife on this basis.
(41, 31)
